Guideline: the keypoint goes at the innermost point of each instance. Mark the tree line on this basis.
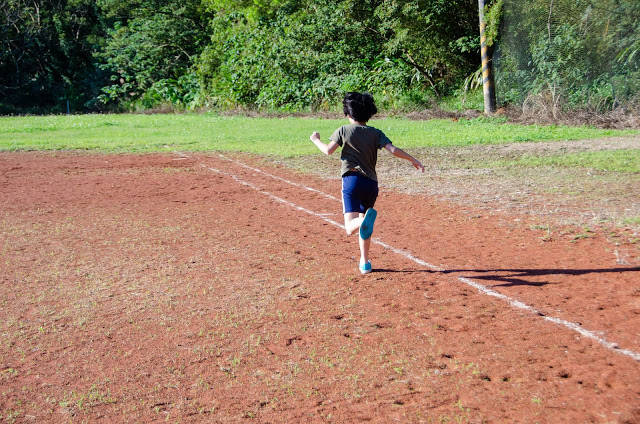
(275, 54)
(291, 55)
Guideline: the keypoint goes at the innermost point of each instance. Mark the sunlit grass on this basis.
(271, 136)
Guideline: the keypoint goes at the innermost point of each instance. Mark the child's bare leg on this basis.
(352, 222)
(364, 249)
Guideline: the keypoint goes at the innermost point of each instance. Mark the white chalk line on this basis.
(274, 197)
(480, 287)
(328, 196)
(570, 325)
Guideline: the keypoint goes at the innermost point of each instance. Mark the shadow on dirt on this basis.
(517, 277)
(514, 277)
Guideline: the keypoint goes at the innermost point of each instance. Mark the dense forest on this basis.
(301, 55)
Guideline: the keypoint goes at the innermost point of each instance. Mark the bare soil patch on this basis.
(155, 287)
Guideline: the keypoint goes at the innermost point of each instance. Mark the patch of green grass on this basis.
(625, 160)
(271, 136)
(632, 220)
(93, 397)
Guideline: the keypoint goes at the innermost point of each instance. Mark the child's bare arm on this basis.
(399, 153)
(327, 149)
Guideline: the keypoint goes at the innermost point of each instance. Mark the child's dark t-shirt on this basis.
(360, 144)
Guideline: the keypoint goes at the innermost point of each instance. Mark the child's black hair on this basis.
(359, 106)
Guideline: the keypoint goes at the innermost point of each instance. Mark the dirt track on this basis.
(145, 288)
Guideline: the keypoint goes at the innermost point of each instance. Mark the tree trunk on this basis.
(488, 86)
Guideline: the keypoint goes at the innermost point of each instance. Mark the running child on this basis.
(360, 144)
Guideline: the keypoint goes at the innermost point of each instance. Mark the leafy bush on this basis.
(151, 49)
(181, 93)
(305, 55)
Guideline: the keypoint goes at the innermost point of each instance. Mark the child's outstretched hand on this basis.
(416, 163)
(327, 149)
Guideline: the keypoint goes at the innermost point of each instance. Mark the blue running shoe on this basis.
(366, 228)
(365, 268)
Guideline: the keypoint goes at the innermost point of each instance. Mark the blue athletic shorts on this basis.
(359, 193)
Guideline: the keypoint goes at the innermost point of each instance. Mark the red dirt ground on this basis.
(160, 288)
